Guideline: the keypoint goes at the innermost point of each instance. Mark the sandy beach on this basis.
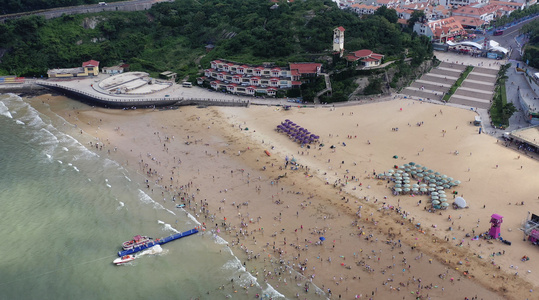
(272, 216)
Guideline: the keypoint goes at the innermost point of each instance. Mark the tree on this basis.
(417, 15)
(508, 110)
(388, 13)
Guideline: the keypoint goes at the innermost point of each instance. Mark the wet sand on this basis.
(275, 216)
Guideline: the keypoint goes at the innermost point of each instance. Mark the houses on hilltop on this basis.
(465, 14)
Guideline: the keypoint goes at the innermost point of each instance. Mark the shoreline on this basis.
(214, 127)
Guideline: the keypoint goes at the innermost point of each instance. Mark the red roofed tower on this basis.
(338, 40)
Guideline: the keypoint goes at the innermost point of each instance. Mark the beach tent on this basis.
(460, 202)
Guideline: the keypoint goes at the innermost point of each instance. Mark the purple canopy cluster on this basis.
(297, 133)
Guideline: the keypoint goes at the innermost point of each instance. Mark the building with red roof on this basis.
(246, 79)
(89, 68)
(485, 13)
(440, 30)
(365, 57)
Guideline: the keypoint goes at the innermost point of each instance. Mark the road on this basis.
(507, 39)
(133, 5)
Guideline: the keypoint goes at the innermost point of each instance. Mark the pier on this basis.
(93, 96)
(158, 242)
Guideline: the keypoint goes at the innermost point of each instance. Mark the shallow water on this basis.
(66, 210)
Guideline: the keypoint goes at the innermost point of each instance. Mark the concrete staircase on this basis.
(436, 83)
(477, 89)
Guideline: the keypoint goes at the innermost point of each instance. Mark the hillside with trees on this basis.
(172, 36)
(531, 51)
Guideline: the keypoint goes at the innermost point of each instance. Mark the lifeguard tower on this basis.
(495, 221)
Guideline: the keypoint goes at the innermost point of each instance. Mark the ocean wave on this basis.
(246, 279)
(110, 162)
(155, 250)
(168, 227)
(271, 292)
(20, 122)
(32, 118)
(219, 240)
(46, 137)
(190, 216)
(148, 200)
(4, 111)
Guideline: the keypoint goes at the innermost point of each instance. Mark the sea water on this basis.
(65, 210)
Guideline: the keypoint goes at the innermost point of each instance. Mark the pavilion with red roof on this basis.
(366, 58)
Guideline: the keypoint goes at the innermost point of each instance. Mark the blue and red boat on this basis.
(150, 243)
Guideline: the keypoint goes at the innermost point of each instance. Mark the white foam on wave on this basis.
(121, 205)
(20, 122)
(65, 149)
(168, 227)
(219, 240)
(109, 186)
(190, 216)
(148, 200)
(109, 162)
(46, 138)
(271, 292)
(61, 162)
(247, 279)
(32, 118)
(155, 250)
(4, 111)
(74, 168)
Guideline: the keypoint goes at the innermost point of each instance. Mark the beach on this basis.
(273, 216)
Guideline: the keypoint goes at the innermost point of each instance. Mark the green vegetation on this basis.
(516, 15)
(501, 111)
(173, 35)
(531, 51)
(457, 83)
